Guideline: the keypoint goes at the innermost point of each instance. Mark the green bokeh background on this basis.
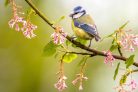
(24, 69)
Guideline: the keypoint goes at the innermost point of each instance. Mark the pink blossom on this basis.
(58, 36)
(79, 79)
(121, 89)
(55, 37)
(15, 21)
(25, 26)
(127, 87)
(109, 58)
(28, 29)
(61, 85)
(129, 41)
(133, 85)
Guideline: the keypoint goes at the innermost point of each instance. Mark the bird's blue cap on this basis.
(77, 9)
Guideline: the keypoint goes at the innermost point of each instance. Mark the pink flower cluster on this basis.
(128, 41)
(109, 58)
(14, 22)
(133, 85)
(79, 79)
(61, 85)
(121, 89)
(59, 35)
(28, 29)
(127, 87)
(20, 24)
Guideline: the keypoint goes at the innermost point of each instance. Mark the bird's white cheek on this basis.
(77, 15)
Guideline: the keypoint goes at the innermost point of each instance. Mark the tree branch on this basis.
(133, 71)
(120, 52)
(118, 47)
(78, 44)
(81, 53)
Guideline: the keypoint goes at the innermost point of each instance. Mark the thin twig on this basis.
(119, 50)
(132, 71)
(118, 47)
(39, 13)
(81, 53)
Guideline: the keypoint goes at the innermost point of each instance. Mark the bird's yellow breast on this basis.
(80, 32)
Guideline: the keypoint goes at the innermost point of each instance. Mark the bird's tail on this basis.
(97, 38)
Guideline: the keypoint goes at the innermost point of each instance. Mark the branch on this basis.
(91, 55)
(39, 13)
(118, 47)
(133, 71)
(78, 44)
(120, 52)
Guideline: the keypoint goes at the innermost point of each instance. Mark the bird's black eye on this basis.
(75, 13)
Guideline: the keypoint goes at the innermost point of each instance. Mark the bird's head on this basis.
(77, 12)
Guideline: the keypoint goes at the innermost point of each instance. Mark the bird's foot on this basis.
(90, 43)
(73, 37)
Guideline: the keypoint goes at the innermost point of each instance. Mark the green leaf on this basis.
(7, 2)
(59, 20)
(68, 43)
(113, 42)
(129, 61)
(82, 41)
(113, 47)
(120, 28)
(69, 57)
(50, 49)
(110, 35)
(123, 79)
(116, 70)
(56, 55)
(73, 45)
(63, 17)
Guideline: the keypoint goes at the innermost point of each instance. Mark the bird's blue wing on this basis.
(88, 28)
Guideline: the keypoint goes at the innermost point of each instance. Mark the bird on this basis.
(83, 25)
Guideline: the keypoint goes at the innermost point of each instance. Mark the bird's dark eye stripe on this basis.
(76, 13)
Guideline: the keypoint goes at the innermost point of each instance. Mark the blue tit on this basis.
(83, 25)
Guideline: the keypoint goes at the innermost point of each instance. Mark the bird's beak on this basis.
(71, 15)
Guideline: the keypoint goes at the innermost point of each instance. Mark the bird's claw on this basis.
(73, 37)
